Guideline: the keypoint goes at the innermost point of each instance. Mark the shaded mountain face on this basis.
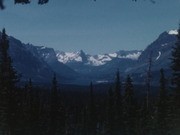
(160, 48)
(28, 64)
(159, 52)
(38, 63)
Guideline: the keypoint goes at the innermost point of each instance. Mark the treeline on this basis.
(31, 110)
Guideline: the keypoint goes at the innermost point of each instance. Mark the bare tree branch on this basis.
(22, 2)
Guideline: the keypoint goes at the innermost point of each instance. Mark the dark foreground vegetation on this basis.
(106, 109)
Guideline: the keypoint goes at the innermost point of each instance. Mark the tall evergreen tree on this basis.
(162, 106)
(92, 120)
(8, 80)
(57, 111)
(147, 109)
(28, 107)
(176, 80)
(176, 67)
(110, 113)
(32, 109)
(54, 107)
(117, 107)
(129, 108)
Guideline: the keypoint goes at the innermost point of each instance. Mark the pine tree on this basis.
(117, 107)
(129, 108)
(54, 107)
(29, 110)
(8, 80)
(147, 108)
(110, 113)
(57, 111)
(162, 107)
(175, 65)
(92, 120)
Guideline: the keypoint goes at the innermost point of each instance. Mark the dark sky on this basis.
(95, 27)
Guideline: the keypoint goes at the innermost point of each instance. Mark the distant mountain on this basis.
(49, 56)
(102, 67)
(40, 63)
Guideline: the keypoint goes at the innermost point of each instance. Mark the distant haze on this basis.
(96, 27)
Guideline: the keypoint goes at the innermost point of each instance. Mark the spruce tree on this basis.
(110, 113)
(162, 106)
(92, 120)
(31, 109)
(26, 107)
(175, 66)
(147, 107)
(57, 111)
(8, 80)
(117, 107)
(54, 107)
(129, 108)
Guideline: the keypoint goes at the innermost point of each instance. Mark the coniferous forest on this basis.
(35, 110)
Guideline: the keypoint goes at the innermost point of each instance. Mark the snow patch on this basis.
(133, 56)
(113, 55)
(104, 58)
(95, 62)
(102, 81)
(158, 55)
(164, 44)
(69, 56)
(173, 32)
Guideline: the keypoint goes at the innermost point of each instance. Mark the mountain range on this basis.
(40, 63)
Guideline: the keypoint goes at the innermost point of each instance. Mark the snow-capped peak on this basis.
(133, 56)
(66, 57)
(42, 47)
(95, 60)
(173, 32)
(113, 54)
